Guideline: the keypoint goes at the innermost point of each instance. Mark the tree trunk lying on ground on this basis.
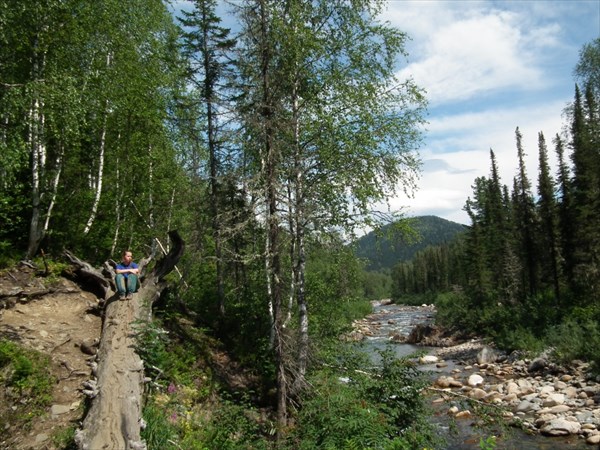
(114, 419)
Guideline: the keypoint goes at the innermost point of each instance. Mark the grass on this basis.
(26, 382)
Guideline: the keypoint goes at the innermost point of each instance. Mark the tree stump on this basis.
(114, 419)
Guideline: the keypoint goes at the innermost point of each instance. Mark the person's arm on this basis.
(134, 270)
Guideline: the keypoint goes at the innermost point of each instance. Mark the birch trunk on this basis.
(99, 176)
(299, 244)
(55, 181)
(38, 166)
(118, 207)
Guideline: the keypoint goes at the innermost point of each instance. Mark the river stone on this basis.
(537, 365)
(570, 392)
(475, 380)
(593, 439)
(42, 437)
(526, 387)
(442, 382)
(486, 355)
(526, 406)
(560, 385)
(512, 388)
(60, 409)
(494, 397)
(555, 409)
(560, 427)
(477, 393)
(585, 417)
(428, 359)
(553, 400)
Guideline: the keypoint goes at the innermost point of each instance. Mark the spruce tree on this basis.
(586, 173)
(525, 223)
(549, 249)
(208, 51)
(566, 214)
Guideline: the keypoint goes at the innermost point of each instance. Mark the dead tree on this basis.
(114, 419)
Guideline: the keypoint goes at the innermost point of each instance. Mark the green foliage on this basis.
(578, 337)
(167, 359)
(159, 433)
(184, 409)
(378, 408)
(454, 311)
(376, 285)
(176, 420)
(65, 438)
(488, 443)
(230, 426)
(27, 380)
(334, 291)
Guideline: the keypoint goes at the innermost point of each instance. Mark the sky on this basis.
(487, 67)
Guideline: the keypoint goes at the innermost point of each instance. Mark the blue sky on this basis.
(488, 67)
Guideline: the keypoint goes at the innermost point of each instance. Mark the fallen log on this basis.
(114, 419)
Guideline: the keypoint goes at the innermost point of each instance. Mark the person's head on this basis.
(127, 256)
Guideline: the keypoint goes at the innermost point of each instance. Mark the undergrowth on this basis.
(536, 325)
(26, 384)
(345, 407)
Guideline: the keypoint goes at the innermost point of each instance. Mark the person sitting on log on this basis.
(127, 276)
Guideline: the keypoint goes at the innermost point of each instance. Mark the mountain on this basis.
(388, 247)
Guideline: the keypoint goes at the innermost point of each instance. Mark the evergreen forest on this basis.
(265, 147)
(526, 272)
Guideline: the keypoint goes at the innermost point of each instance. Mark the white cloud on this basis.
(477, 53)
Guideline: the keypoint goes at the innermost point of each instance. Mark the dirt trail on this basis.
(63, 322)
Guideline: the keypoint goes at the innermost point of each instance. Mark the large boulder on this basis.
(419, 333)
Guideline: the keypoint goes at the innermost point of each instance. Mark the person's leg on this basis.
(120, 282)
(132, 282)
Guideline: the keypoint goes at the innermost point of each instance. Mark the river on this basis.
(389, 319)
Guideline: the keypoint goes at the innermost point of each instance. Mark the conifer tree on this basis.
(586, 196)
(566, 216)
(208, 49)
(549, 249)
(525, 223)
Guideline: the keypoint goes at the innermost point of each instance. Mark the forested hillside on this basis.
(388, 246)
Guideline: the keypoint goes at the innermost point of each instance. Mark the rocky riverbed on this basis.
(533, 392)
